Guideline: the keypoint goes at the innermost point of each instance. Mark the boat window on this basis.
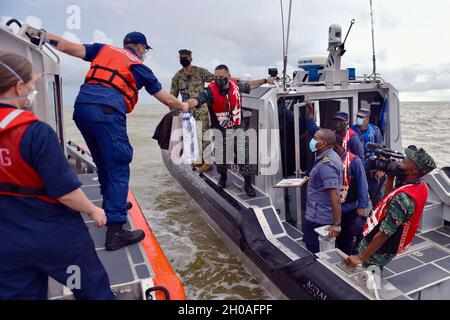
(286, 120)
(51, 108)
(328, 108)
(54, 108)
(373, 101)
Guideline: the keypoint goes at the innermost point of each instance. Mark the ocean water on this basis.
(206, 266)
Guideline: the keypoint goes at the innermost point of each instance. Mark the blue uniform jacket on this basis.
(372, 134)
(326, 174)
(354, 144)
(100, 94)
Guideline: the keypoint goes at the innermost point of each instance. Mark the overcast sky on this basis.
(412, 41)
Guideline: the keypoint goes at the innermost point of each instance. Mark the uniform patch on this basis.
(326, 159)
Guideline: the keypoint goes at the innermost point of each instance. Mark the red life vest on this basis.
(346, 138)
(346, 181)
(111, 68)
(17, 178)
(227, 107)
(419, 192)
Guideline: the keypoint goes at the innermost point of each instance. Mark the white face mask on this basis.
(30, 98)
(31, 95)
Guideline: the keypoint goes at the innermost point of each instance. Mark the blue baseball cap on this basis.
(341, 116)
(136, 38)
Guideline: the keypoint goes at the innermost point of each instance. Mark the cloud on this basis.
(70, 36)
(101, 37)
(420, 78)
(246, 35)
(34, 22)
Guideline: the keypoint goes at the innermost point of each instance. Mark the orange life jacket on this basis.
(419, 192)
(17, 178)
(112, 68)
(227, 107)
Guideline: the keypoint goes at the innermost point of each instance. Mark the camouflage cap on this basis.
(422, 160)
(185, 52)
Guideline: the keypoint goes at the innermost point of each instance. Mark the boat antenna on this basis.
(285, 41)
(374, 59)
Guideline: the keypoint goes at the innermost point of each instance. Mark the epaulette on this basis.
(326, 159)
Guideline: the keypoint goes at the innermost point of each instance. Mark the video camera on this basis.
(384, 159)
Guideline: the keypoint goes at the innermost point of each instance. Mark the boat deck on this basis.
(125, 267)
(278, 232)
(423, 272)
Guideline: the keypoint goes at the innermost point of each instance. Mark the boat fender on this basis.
(250, 231)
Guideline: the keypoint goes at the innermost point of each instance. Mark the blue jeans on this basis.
(310, 237)
(105, 132)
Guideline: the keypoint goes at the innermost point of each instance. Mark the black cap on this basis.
(136, 38)
(341, 116)
(363, 113)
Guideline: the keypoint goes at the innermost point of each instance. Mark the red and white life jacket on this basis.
(17, 178)
(347, 180)
(419, 192)
(223, 106)
(346, 138)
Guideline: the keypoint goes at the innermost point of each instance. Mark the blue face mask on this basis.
(312, 145)
(359, 122)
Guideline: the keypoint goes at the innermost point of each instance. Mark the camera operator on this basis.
(394, 221)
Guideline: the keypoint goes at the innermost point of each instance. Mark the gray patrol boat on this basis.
(258, 229)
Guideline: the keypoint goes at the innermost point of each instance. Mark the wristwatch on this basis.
(265, 80)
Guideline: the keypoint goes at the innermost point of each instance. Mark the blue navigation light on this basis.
(351, 73)
(313, 75)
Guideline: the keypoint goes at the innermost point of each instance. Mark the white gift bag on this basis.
(190, 140)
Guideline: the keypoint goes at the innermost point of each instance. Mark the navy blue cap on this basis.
(341, 116)
(136, 38)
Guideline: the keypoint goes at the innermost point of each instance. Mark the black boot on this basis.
(223, 181)
(248, 187)
(117, 237)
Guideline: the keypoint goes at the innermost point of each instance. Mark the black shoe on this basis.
(122, 238)
(249, 188)
(223, 181)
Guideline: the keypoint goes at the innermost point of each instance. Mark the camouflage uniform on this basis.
(400, 209)
(246, 169)
(189, 86)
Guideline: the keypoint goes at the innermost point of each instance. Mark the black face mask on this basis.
(221, 83)
(185, 62)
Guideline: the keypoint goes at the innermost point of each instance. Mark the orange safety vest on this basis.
(419, 192)
(347, 180)
(17, 178)
(227, 107)
(112, 68)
